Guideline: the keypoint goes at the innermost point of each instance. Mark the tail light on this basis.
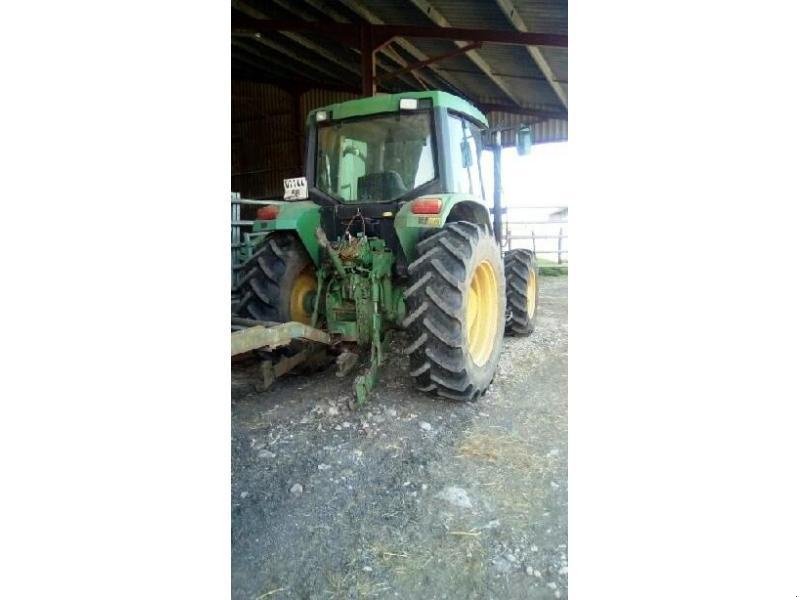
(268, 213)
(426, 206)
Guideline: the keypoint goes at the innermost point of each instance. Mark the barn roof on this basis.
(507, 57)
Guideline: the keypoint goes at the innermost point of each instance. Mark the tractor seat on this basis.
(376, 187)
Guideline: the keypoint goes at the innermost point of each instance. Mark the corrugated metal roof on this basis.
(475, 15)
(557, 59)
(550, 130)
(333, 65)
(512, 65)
(394, 12)
(544, 15)
(515, 67)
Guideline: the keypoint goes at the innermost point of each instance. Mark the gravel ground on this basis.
(408, 497)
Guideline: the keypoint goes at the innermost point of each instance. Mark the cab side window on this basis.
(465, 150)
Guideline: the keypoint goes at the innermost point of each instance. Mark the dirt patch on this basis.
(329, 503)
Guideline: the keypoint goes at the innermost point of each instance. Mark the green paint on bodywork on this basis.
(360, 288)
(300, 216)
(391, 103)
(410, 227)
(356, 297)
(361, 302)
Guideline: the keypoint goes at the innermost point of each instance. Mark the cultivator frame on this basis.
(249, 334)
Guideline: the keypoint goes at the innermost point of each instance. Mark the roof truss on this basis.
(372, 39)
(509, 10)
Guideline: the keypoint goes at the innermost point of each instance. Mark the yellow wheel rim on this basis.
(482, 313)
(531, 294)
(304, 284)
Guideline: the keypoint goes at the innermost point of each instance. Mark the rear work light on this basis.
(426, 206)
(268, 213)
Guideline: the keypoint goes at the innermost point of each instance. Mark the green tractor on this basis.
(389, 229)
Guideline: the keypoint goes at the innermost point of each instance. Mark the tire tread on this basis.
(519, 264)
(435, 299)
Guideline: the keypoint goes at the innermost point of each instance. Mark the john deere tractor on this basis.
(389, 229)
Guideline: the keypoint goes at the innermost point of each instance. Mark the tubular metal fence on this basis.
(241, 233)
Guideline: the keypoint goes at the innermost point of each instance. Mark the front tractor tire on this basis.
(456, 311)
(522, 291)
(279, 281)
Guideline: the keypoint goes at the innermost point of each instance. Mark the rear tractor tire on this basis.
(279, 281)
(279, 285)
(456, 311)
(522, 291)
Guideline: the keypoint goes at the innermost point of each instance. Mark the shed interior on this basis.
(508, 57)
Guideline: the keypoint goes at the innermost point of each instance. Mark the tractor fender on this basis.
(411, 227)
(302, 217)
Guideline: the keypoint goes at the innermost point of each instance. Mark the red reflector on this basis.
(267, 213)
(426, 206)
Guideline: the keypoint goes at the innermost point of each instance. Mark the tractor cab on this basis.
(394, 148)
(376, 158)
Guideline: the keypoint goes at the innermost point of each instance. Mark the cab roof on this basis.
(384, 103)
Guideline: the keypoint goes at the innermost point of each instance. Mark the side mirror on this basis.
(524, 140)
(466, 154)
